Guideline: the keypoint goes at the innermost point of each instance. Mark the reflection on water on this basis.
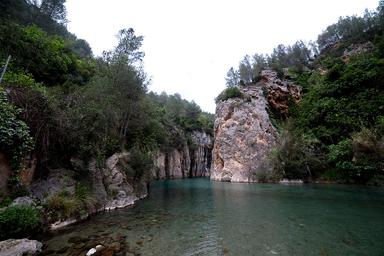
(200, 217)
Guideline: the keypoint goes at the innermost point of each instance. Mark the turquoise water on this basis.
(201, 217)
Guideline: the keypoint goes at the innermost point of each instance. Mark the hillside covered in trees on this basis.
(59, 102)
(336, 132)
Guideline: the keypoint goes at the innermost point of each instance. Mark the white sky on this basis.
(191, 44)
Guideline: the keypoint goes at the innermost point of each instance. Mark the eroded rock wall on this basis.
(111, 187)
(201, 155)
(192, 160)
(244, 137)
(244, 134)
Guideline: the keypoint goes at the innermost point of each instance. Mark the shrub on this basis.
(19, 222)
(82, 194)
(231, 92)
(5, 201)
(260, 176)
(296, 156)
(358, 158)
(139, 165)
(62, 206)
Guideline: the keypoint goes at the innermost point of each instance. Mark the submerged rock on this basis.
(20, 247)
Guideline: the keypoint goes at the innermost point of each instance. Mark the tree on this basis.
(259, 63)
(129, 45)
(55, 9)
(245, 69)
(48, 58)
(233, 78)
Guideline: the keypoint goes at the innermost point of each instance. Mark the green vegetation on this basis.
(64, 205)
(19, 222)
(228, 93)
(336, 132)
(14, 133)
(55, 93)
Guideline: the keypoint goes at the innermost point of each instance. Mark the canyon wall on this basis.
(193, 159)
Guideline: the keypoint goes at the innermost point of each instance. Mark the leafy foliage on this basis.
(139, 166)
(15, 140)
(19, 222)
(47, 58)
(297, 156)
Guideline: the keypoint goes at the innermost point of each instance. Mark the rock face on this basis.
(190, 160)
(57, 181)
(355, 49)
(120, 191)
(279, 93)
(111, 188)
(20, 247)
(201, 155)
(244, 134)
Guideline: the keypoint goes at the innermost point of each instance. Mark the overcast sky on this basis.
(191, 44)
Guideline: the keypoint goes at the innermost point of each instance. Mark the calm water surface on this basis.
(201, 217)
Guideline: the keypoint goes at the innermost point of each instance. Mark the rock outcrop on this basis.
(191, 160)
(244, 134)
(111, 188)
(121, 192)
(279, 93)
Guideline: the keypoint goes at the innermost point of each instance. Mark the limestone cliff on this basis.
(244, 134)
(193, 159)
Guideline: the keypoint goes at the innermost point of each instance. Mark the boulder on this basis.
(23, 201)
(19, 247)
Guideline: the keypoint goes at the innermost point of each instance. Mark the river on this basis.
(202, 217)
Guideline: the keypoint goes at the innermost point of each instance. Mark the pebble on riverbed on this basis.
(97, 245)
